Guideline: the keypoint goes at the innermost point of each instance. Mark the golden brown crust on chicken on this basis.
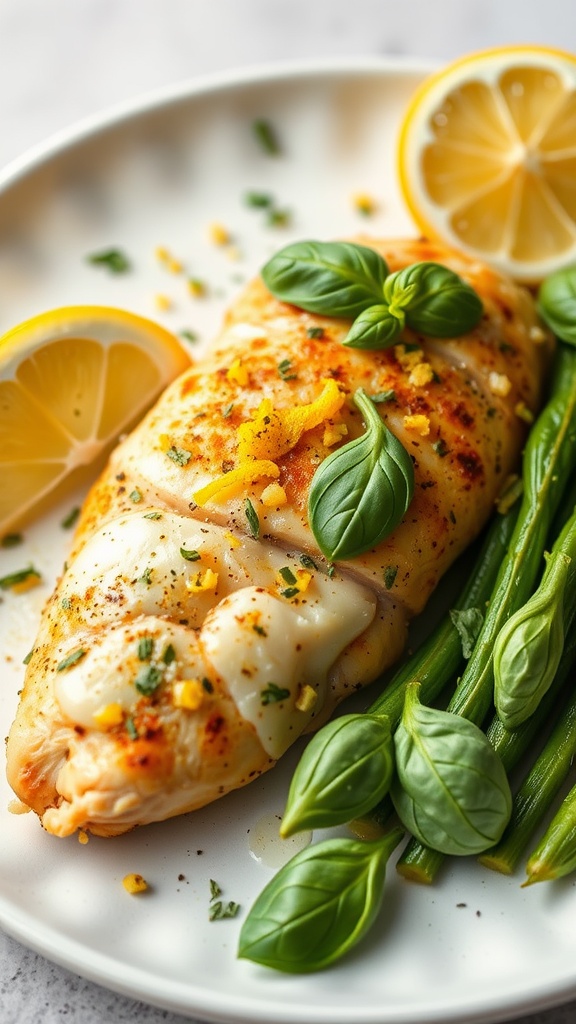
(91, 747)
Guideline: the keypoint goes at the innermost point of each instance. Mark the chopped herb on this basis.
(215, 890)
(169, 654)
(452, 516)
(384, 396)
(259, 200)
(69, 520)
(66, 603)
(153, 515)
(278, 218)
(72, 659)
(179, 455)
(227, 410)
(266, 136)
(284, 370)
(287, 575)
(440, 447)
(252, 517)
(21, 576)
(113, 259)
(259, 629)
(131, 728)
(308, 562)
(148, 679)
(272, 693)
(189, 336)
(330, 569)
(190, 556)
(145, 648)
(136, 496)
(289, 592)
(218, 911)
(28, 657)
(315, 332)
(468, 622)
(207, 685)
(146, 577)
(12, 540)
(390, 573)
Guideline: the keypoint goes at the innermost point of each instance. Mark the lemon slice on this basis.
(487, 158)
(71, 381)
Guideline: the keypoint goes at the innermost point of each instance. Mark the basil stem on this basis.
(529, 646)
(318, 906)
(557, 303)
(345, 770)
(334, 278)
(435, 301)
(450, 789)
(361, 492)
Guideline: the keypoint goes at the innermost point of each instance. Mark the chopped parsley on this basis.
(113, 260)
(131, 728)
(146, 577)
(272, 694)
(12, 540)
(190, 555)
(315, 332)
(69, 520)
(28, 657)
(218, 911)
(287, 575)
(468, 622)
(169, 654)
(289, 592)
(189, 336)
(384, 396)
(252, 517)
(259, 629)
(207, 685)
(72, 659)
(440, 447)
(284, 370)
(66, 604)
(153, 515)
(145, 648)
(215, 890)
(148, 680)
(266, 136)
(390, 573)
(136, 496)
(258, 200)
(227, 410)
(179, 455)
(13, 579)
(308, 562)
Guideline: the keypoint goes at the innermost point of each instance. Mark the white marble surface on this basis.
(61, 60)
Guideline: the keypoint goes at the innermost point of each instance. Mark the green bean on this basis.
(548, 465)
(555, 854)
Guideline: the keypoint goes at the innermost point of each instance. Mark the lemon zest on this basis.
(226, 485)
(274, 432)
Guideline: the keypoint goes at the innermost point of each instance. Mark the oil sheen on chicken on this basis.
(180, 655)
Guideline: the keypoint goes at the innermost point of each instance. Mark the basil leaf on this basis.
(361, 492)
(318, 906)
(557, 303)
(345, 770)
(529, 646)
(335, 278)
(435, 300)
(375, 328)
(451, 789)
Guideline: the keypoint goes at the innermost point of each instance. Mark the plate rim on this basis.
(71, 955)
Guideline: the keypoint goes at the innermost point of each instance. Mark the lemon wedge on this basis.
(71, 381)
(487, 158)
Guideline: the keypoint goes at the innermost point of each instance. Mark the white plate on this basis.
(475, 947)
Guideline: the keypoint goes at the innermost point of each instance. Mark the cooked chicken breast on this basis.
(197, 630)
